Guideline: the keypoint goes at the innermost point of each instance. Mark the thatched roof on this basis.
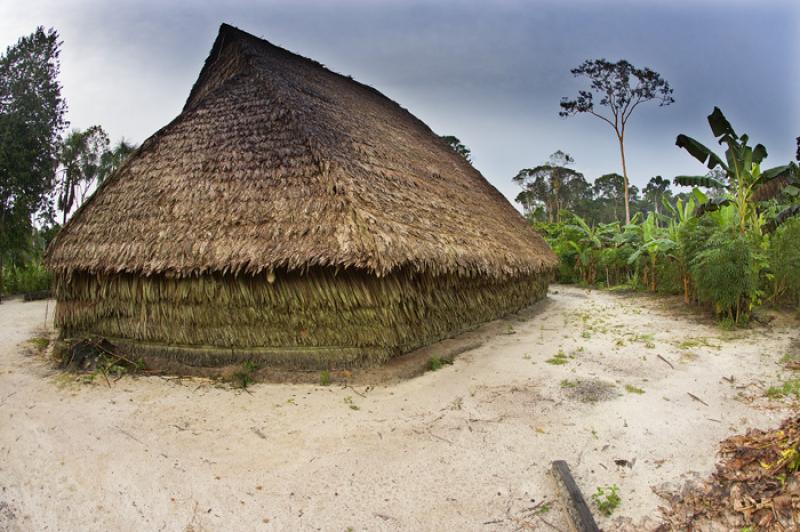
(277, 162)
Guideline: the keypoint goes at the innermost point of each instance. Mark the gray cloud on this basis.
(489, 73)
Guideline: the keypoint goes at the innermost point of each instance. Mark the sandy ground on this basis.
(467, 447)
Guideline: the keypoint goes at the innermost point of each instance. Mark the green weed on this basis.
(790, 388)
(435, 363)
(325, 378)
(40, 343)
(243, 377)
(349, 402)
(630, 388)
(607, 499)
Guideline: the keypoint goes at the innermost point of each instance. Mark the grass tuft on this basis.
(436, 363)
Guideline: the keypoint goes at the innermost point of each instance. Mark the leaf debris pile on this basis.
(756, 486)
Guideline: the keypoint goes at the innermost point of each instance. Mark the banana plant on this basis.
(741, 179)
(591, 239)
(681, 215)
(654, 242)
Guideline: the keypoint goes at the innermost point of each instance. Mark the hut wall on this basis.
(318, 319)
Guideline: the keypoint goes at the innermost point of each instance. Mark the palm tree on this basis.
(113, 159)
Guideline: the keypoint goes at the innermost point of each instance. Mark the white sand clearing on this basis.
(467, 447)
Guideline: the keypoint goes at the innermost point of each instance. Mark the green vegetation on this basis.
(349, 402)
(729, 247)
(436, 363)
(607, 499)
(244, 376)
(790, 388)
(543, 509)
(45, 172)
(558, 359)
(39, 343)
(630, 388)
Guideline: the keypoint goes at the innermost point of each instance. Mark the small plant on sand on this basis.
(325, 378)
(243, 377)
(39, 343)
(349, 402)
(543, 509)
(698, 341)
(630, 388)
(435, 363)
(607, 499)
(559, 359)
(566, 383)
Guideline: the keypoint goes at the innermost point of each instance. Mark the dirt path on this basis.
(467, 447)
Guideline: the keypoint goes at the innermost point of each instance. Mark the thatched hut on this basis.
(292, 216)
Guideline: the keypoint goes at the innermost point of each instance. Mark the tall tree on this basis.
(80, 157)
(458, 147)
(621, 88)
(553, 185)
(609, 189)
(31, 120)
(656, 191)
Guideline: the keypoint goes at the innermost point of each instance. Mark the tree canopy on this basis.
(31, 119)
(621, 88)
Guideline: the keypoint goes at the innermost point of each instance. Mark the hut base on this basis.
(320, 319)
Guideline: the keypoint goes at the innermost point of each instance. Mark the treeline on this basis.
(46, 170)
(731, 243)
(553, 188)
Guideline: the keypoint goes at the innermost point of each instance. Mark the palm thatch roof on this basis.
(276, 162)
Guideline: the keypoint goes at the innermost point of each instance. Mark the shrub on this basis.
(30, 277)
(726, 275)
(784, 260)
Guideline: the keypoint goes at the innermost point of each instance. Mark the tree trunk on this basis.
(621, 140)
(2, 232)
(686, 289)
(653, 278)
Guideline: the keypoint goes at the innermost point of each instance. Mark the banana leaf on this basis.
(713, 205)
(782, 217)
(773, 181)
(719, 124)
(700, 152)
(698, 181)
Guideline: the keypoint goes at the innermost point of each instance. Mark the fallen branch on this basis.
(693, 396)
(667, 361)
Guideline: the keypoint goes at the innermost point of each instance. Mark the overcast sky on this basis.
(491, 73)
